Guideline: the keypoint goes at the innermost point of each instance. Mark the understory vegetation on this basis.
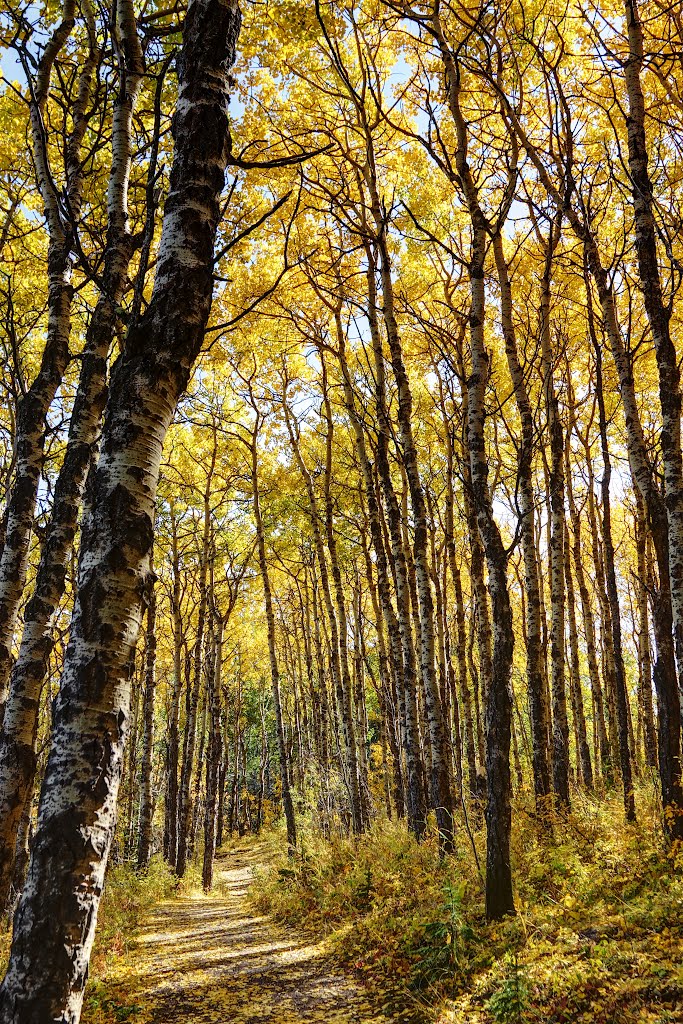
(129, 896)
(597, 937)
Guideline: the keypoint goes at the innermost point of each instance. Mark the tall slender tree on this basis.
(56, 918)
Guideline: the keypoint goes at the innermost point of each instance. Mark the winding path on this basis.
(211, 960)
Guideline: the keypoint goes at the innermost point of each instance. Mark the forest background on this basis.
(342, 481)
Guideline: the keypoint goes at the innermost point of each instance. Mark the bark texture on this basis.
(149, 691)
(538, 710)
(34, 405)
(56, 918)
(286, 793)
(498, 703)
(659, 317)
(18, 736)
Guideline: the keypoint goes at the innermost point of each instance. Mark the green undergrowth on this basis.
(598, 936)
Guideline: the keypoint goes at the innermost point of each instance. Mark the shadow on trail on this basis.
(211, 960)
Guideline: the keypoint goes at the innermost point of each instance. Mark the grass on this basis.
(598, 938)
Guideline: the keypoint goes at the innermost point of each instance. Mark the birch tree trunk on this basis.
(56, 918)
(287, 804)
(583, 754)
(173, 740)
(389, 671)
(447, 686)
(498, 711)
(669, 734)
(322, 682)
(415, 800)
(605, 714)
(440, 783)
(417, 807)
(538, 710)
(560, 726)
(658, 316)
(601, 744)
(34, 405)
(498, 704)
(338, 650)
(198, 773)
(481, 620)
(643, 585)
(467, 730)
(358, 777)
(621, 694)
(666, 682)
(193, 691)
(18, 737)
(214, 754)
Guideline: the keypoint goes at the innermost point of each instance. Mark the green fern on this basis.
(510, 1003)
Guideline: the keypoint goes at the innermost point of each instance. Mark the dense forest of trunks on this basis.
(340, 446)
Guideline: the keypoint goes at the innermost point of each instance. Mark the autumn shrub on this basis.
(597, 938)
(128, 895)
(380, 898)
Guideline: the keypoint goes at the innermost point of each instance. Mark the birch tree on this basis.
(56, 918)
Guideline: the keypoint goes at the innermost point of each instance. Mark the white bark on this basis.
(55, 921)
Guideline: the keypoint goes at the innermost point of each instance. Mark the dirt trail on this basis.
(212, 959)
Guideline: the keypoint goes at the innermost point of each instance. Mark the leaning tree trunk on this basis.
(603, 710)
(499, 898)
(338, 646)
(439, 754)
(669, 703)
(560, 726)
(185, 791)
(601, 745)
(415, 792)
(173, 727)
(659, 317)
(498, 701)
(214, 755)
(479, 596)
(621, 693)
(643, 586)
(666, 683)
(583, 754)
(56, 918)
(358, 776)
(18, 736)
(463, 693)
(34, 405)
(538, 710)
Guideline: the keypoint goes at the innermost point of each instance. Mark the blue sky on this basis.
(10, 66)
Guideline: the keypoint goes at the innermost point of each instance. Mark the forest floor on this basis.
(597, 939)
(200, 959)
